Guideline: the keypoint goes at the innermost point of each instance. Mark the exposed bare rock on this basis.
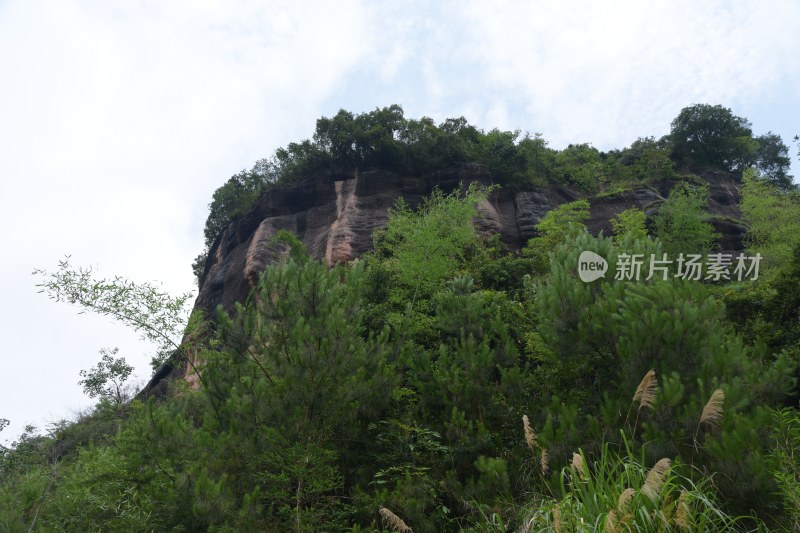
(342, 233)
(531, 206)
(605, 207)
(336, 218)
(724, 193)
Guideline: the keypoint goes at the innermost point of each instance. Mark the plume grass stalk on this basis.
(712, 413)
(606, 497)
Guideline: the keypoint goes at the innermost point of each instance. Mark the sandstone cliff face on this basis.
(335, 219)
(723, 205)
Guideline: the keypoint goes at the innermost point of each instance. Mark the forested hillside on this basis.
(442, 382)
(702, 136)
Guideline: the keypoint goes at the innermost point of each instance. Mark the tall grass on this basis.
(617, 492)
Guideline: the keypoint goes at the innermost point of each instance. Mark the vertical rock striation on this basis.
(335, 219)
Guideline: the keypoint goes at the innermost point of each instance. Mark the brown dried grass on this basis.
(655, 478)
(394, 521)
(713, 411)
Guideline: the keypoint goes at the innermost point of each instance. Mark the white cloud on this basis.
(119, 120)
(609, 72)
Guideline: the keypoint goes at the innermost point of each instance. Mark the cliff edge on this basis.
(336, 217)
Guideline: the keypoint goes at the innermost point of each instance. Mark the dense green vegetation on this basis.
(702, 136)
(443, 383)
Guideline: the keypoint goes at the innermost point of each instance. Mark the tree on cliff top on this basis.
(711, 135)
(702, 135)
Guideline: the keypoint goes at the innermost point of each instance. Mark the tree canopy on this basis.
(711, 135)
(702, 136)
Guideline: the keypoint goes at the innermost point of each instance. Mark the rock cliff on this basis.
(336, 218)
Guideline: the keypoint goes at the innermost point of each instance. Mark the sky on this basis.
(119, 119)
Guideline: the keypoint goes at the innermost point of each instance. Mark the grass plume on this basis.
(557, 519)
(611, 522)
(394, 521)
(624, 502)
(655, 478)
(646, 391)
(712, 412)
(530, 436)
(645, 395)
(683, 515)
(578, 465)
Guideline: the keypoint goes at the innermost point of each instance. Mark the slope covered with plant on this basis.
(442, 383)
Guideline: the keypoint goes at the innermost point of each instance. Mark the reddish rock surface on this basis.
(336, 218)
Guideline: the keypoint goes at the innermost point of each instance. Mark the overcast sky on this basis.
(118, 120)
